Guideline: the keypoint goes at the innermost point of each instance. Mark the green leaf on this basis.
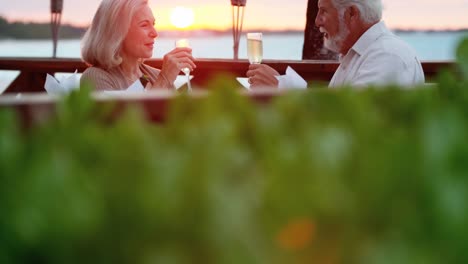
(462, 57)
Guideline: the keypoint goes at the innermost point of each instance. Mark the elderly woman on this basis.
(120, 37)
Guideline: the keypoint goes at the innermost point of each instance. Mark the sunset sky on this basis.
(264, 14)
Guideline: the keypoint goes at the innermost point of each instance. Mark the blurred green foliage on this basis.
(375, 176)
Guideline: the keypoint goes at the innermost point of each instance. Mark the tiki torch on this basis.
(237, 21)
(56, 7)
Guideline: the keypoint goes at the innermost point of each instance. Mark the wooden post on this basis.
(313, 40)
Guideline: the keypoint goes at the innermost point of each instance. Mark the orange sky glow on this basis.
(259, 14)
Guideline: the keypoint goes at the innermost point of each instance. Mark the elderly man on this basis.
(369, 53)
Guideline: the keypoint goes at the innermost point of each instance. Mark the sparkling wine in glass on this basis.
(184, 43)
(254, 48)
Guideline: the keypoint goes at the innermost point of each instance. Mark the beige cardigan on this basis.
(114, 79)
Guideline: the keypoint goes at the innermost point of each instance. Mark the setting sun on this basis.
(182, 17)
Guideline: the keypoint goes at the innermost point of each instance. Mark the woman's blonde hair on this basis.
(101, 45)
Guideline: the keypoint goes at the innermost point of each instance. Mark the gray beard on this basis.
(335, 43)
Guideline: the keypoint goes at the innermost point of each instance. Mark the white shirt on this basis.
(381, 58)
(378, 58)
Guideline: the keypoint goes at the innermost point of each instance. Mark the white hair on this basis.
(102, 42)
(371, 10)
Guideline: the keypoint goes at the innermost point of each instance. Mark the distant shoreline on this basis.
(21, 30)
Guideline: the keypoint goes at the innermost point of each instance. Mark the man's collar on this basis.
(369, 37)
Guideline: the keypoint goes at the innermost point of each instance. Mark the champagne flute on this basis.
(184, 43)
(254, 48)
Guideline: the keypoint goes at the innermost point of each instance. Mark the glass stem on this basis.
(189, 86)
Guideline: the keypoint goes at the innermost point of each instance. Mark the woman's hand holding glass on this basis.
(183, 43)
(176, 60)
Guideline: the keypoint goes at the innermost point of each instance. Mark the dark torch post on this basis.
(56, 7)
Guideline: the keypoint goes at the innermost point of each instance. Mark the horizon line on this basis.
(225, 30)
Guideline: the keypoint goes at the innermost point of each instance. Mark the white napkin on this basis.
(137, 86)
(291, 80)
(244, 81)
(181, 80)
(64, 86)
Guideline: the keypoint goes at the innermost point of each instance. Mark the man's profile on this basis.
(369, 53)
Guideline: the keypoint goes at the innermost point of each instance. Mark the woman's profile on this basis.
(120, 37)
